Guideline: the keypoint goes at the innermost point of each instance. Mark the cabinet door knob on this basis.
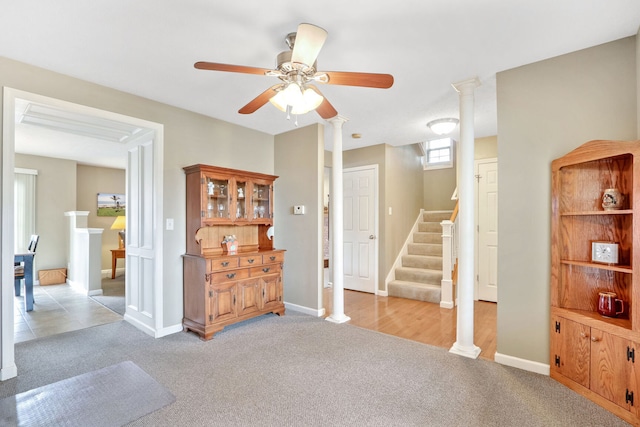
(594, 339)
(250, 261)
(583, 335)
(231, 275)
(266, 269)
(272, 258)
(225, 263)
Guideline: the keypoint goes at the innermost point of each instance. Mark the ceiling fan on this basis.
(297, 69)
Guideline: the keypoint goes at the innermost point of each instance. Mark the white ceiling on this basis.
(148, 48)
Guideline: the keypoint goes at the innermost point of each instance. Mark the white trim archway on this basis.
(153, 324)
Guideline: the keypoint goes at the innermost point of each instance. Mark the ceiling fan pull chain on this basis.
(296, 123)
(288, 112)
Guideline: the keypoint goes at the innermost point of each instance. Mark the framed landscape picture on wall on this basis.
(110, 204)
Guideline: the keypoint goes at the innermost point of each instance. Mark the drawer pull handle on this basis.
(225, 263)
(250, 260)
(266, 269)
(231, 275)
(272, 258)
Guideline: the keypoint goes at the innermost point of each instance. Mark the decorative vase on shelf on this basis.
(612, 199)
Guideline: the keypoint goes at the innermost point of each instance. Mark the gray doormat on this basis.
(111, 396)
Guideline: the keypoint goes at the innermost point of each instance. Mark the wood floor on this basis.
(416, 320)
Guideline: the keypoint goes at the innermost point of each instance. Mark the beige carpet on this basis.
(299, 370)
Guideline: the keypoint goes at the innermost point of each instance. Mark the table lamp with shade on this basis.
(120, 224)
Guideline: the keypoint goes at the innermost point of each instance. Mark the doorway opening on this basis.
(141, 156)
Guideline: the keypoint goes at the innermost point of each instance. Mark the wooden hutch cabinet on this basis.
(590, 353)
(221, 288)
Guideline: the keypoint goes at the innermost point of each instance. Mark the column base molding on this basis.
(471, 352)
(338, 318)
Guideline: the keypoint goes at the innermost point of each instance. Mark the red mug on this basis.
(609, 305)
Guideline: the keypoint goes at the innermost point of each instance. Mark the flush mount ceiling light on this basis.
(443, 126)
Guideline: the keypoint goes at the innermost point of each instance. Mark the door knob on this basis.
(372, 237)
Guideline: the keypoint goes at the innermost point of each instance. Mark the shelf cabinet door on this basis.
(262, 202)
(216, 198)
(570, 349)
(222, 302)
(611, 367)
(248, 296)
(272, 291)
(242, 200)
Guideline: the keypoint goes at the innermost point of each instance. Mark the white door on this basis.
(487, 228)
(360, 186)
(140, 272)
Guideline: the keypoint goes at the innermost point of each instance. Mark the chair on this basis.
(18, 268)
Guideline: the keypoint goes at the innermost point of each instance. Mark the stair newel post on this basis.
(446, 300)
(336, 224)
(464, 345)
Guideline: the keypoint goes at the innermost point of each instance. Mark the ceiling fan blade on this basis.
(345, 78)
(309, 41)
(231, 68)
(260, 100)
(325, 109)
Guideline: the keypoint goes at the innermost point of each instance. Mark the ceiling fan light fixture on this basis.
(443, 126)
(301, 101)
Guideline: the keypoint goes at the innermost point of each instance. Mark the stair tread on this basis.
(423, 256)
(415, 284)
(417, 269)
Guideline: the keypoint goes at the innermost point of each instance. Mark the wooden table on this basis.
(27, 259)
(115, 254)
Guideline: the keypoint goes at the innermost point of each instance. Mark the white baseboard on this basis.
(382, 293)
(403, 251)
(524, 364)
(169, 330)
(8, 372)
(304, 310)
(94, 293)
(144, 328)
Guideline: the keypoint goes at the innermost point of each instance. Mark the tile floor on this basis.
(58, 309)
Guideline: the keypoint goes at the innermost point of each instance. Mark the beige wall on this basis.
(189, 138)
(55, 195)
(439, 184)
(403, 179)
(486, 148)
(299, 163)
(545, 110)
(91, 181)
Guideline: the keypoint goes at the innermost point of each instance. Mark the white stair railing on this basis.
(449, 258)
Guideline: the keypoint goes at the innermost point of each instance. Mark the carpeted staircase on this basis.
(421, 272)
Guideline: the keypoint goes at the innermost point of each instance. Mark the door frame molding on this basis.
(376, 213)
(476, 189)
(8, 367)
